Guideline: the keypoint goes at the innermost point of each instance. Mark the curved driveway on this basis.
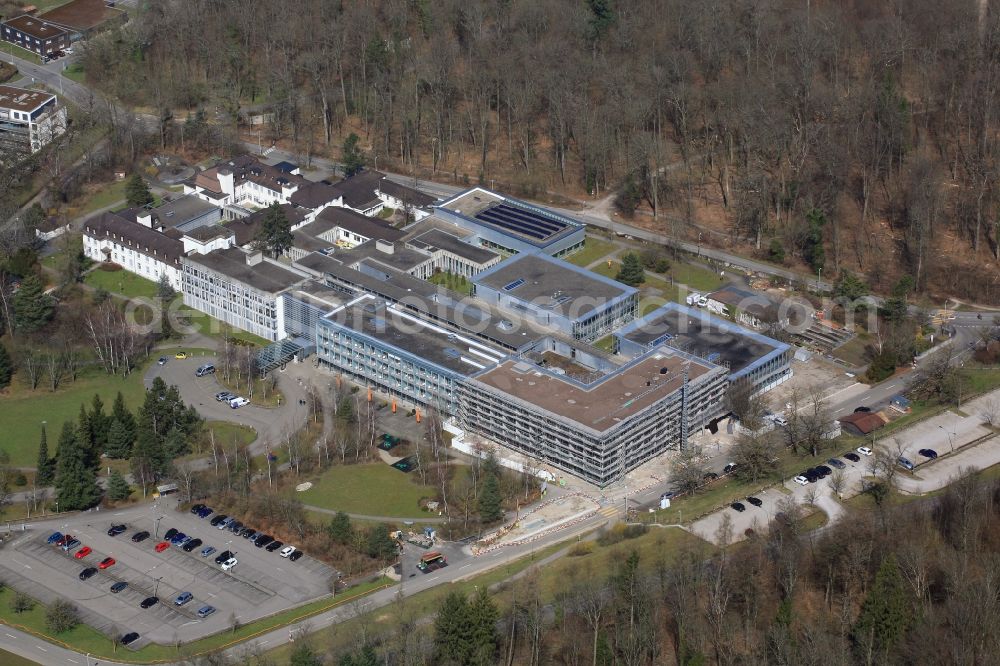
(272, 424)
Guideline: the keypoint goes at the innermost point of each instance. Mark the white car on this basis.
(238, 402)
(864, 450)
(801, 480)
(287, 550)
(229, 564)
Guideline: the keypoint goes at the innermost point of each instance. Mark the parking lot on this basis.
(261, 584)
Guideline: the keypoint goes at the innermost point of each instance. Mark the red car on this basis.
(162, 546)
(83, 552)
(106, 562)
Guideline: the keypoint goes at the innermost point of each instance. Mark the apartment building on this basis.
(33, 34)
(139, 249)
(237, 288)
(594, 428)
(29, 120)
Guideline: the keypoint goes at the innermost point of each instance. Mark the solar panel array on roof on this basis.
(513, 285)
(521, 221)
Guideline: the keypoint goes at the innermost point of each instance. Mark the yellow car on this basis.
(181, 355)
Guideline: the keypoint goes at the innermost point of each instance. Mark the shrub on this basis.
(582, 548)
(111, 267)
(61, 616)
(20, 479)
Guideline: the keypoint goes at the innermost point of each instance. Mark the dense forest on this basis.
(835, 134)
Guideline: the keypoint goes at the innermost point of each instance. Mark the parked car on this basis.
(862, 409)
(205, 611)
(236, 527)
(781, 421)
(224, 396)
(852, 456)
(207, 550)
(183, 598)
(162, 546)
(196, 508)
(61, 541)
(906, 462)
(224, 525)
(178, 538)
(710, 476)
(738, 506)
(823, 471)
(181, 355)
(149, 602)
(728, 468)
(139, 537)
(928, 453)
(54, 537)
(294, 557)
(229, 564)
(755, 501)
(801, 480)
(864, 450)
(191, 545)
(115, 530)
(70, 544)
(171, 533)
(248, 533)
(273, 546)
(106, 562)
(287, 550)
(205, 512)
(262, 540)
(129, 638)
(161, 361)
(186, 540)
(87, 573)
(223, 556)
(836, 462)
(238, 402)
(118, 587)
(206, 369)
(218, 519)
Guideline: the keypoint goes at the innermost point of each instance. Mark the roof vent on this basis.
(664, 371)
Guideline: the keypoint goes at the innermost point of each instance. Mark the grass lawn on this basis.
(75, 73)
(458, 283)
(22, 411)
(18, 52)
(606, 343)
(593, 249)
(695, 276)
(121, 282)
(106, 195)
(207, 325)
(11, 659)
(607, 271)
(853, 351)
(86, 639)
(375, 489)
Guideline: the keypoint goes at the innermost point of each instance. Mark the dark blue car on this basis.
(205, 512)
(180, 536)
(55, 536)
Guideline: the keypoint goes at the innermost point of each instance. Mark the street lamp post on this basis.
(819, 280)
(699, 243)
(156, 527)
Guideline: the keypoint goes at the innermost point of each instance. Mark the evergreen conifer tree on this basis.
(490, 508)
(631, 272)
(76, 481)
(118, 488)
(137, 191)
(32, 306)
(45, 469)
(6, 367)
(120, 413)
(886, 613)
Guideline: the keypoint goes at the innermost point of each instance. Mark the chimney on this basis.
(145, 218)
(384, 246)
(255, 258)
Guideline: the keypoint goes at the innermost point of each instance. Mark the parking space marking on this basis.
(41, 648)
(11, 636)
(73, 660)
